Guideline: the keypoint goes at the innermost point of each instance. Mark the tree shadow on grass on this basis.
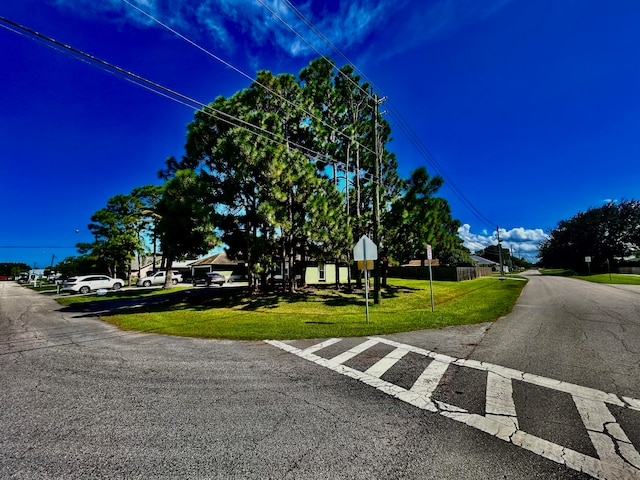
(129, 301)
(200, 299)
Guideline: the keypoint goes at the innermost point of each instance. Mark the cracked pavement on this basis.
(82, 399)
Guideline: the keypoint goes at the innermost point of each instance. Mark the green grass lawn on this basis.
(559, 272)
(615, 278)
(44, 288)
(320, 313)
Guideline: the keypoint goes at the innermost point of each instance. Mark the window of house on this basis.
(321, 272)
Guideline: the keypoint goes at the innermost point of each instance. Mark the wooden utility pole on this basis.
(500, 251)
(376, 198)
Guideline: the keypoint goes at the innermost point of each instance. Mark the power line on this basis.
(237, 70)
(163, 91)
(402, 123)
(34, 246)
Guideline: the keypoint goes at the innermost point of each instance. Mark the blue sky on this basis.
(532, 109)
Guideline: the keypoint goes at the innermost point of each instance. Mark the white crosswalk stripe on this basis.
(617, 457)
(500, 405)
(387, 362)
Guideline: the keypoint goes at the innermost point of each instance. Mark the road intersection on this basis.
(617, 458)
(550, 391)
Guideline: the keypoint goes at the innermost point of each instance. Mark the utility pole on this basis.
(500, 251)
(376, 197)
(511, 259)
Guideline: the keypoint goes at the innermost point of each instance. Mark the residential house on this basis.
(147, 266)
(232, 269)
(485, 262)
(319, 272)
(316, 272)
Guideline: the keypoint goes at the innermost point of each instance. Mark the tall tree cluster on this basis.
(282, 172)
(607, 234)
(295, 178)
(418, 218)
(122, 230)
(115, 230)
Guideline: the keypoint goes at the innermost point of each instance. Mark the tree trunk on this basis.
(385, 270)
(291, 277)
(168, 278)
(292, 274)
(303, 263)
(155, 249)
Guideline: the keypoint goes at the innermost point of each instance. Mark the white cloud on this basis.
(520, 234)
(524, 242)
(354, 23)
(474, 241)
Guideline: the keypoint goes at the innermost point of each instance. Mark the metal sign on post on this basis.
(430, 257)
(361, 264)
(588, 262)
(365, 251)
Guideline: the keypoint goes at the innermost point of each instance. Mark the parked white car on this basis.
(89, 283)
(158, 278)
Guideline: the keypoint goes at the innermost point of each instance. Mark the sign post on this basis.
(365, 251)
(430, 257)
(588, 262)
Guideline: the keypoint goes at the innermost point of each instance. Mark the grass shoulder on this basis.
(612, 279)
(112, 295)
(44, 288)
(557, 272)
(314, 313)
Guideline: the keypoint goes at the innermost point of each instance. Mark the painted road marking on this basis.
(349, 354)
(500, 406)
(617, 457)
(387, 362)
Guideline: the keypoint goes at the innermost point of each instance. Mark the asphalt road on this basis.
(80, 399)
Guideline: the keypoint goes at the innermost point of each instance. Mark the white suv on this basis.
(158, 278)
(88, 283)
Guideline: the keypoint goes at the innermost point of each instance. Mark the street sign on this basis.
(365, 249)
(365, 252)
(429, 254)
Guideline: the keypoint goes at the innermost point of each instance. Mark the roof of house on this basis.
(183, 263)
(217, 259)
(482, 261)
(148, 263)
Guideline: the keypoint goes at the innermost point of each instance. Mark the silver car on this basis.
(158, 278)
(89, 283)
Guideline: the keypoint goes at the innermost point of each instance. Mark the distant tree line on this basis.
(608, 235)
(280, 173)
(13, 269)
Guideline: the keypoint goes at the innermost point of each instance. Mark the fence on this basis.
(631, 270)
(450, 274)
